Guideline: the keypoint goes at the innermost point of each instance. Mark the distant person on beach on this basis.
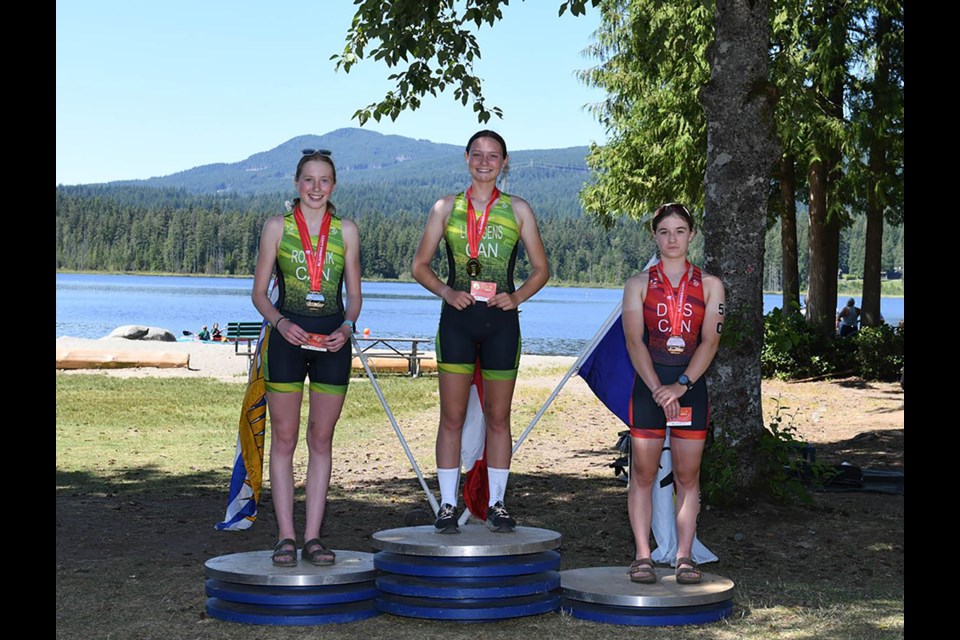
(848, 320)
(204, 333)
(672, 319)
(482, 229)
(215, 334)
(313, 253)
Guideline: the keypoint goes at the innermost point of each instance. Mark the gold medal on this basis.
(474, 267)
(314, 300)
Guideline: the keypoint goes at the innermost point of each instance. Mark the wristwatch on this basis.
(351, 324)
(684, 380)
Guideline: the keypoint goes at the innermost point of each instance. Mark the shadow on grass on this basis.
(882, 449)
(130, 552)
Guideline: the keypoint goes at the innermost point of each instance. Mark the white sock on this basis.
(449, 480)
(497, 479)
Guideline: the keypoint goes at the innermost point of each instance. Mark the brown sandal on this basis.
(642, 571)
(690, 574)
(285, 553)
(316, 554)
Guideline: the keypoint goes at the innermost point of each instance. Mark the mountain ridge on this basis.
(365, 158)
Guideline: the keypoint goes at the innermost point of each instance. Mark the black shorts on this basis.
(489, 333)
(646, 416)
(285, 366)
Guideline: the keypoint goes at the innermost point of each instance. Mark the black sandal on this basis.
(285, 553)
(316, 554)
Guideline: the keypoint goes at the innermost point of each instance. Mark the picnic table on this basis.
(405, 348)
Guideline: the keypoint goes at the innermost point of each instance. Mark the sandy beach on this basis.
(210, 360)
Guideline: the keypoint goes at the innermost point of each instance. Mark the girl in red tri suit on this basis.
(672, 318)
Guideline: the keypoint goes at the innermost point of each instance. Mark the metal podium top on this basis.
(474, 540)
(612, 586)
(256, 567)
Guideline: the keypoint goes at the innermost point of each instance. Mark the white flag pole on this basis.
(376, 387)
(573, 370)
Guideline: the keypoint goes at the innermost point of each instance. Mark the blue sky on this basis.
(149, 89)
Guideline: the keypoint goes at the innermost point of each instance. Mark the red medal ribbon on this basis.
(674, 303)
(475, 227)
(314, 264)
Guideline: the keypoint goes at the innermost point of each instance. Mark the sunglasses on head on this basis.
(664, 207)
(317, 152)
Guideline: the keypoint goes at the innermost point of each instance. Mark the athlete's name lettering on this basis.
(299, 255)
(492, 232)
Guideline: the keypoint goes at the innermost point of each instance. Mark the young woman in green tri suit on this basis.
(313, 254)
(482, 229)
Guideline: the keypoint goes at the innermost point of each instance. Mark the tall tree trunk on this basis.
(824, 251)
(873, 251)
(790, 254)
(870, 304)
(824, 173)
(741, 151)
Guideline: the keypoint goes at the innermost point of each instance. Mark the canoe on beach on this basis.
(111, 359)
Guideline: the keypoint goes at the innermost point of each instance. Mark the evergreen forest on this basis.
(124, 228)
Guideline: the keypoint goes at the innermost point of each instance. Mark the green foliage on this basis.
(718, 485)
(432, 41)
(851, 260)
(170, 231)
(652, 62)
(783, 471)
(880, 352)
(784, 474)
(792, 349)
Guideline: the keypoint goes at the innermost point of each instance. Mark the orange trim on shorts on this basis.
(648, 434)
(688, 434)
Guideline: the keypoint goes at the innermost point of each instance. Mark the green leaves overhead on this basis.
(434, 44)
(652, 62)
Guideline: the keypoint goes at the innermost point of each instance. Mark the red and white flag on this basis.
(473, 450)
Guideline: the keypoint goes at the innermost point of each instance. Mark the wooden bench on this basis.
(245, 334)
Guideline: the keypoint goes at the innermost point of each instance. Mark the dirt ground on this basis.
(126, 571)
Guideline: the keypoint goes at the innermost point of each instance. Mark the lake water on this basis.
(556, 321)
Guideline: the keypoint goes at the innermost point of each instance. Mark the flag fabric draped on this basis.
(664, 522)
(247, 478)
(609, 373)
(473, 450)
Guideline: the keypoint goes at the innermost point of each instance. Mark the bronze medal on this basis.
(675, 345)
(474, 267)
(313, 257)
